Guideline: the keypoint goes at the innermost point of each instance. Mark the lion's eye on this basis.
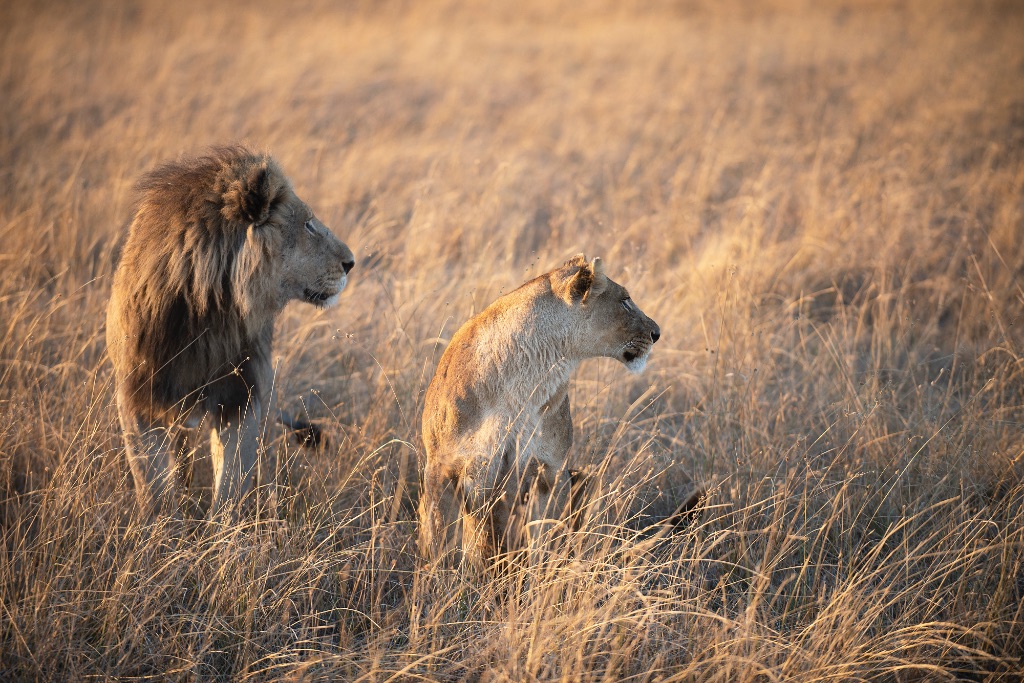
(627, 304)
(310, 228)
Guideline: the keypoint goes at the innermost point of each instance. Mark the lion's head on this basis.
(307, 262)
(607, 321)
(217, 246)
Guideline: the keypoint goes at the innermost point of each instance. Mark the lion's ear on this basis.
(249, 197)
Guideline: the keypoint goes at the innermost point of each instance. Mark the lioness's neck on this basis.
(529, 354)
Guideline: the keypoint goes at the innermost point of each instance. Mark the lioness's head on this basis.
(609, 323)
(309, 263)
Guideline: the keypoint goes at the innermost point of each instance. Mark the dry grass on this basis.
(821, 204)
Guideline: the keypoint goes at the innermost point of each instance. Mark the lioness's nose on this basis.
(348, 265)
(655, 335)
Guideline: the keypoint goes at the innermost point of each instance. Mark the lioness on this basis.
(496, 420)
(217, 246)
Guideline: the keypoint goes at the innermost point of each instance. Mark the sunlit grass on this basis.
(822, 206)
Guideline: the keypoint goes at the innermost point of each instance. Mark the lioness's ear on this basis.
(574, 279)
(577, 260)
(249, 197)
(600, 279)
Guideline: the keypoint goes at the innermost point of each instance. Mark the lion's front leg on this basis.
(150, 453)
(234, 447)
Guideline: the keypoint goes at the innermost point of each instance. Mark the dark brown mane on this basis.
(179, 279)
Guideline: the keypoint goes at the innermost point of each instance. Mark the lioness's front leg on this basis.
(440, 512)
(548, 503)
(488, 524)
(234, 447)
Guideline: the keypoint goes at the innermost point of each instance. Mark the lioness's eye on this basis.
(310, 228)
(627, 304)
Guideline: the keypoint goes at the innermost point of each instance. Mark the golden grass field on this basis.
(821, 203)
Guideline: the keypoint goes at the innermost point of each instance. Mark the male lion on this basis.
(217, 246)
(496, 421)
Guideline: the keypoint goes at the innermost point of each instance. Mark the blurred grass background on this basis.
(821, 203)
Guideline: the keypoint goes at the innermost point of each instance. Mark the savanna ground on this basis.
(822, 204)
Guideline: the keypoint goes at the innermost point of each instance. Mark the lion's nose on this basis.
(655, 335)
(348, 265)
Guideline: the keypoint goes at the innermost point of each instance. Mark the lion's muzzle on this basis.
(325, 295)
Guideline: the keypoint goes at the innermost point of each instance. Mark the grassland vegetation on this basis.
(821, 204)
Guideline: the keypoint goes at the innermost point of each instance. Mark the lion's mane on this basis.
(194, 287)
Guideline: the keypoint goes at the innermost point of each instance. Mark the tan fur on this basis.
(496, 422)
(217, 246)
